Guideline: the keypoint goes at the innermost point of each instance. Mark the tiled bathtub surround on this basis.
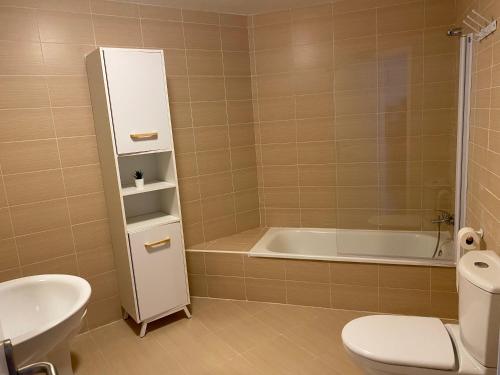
(483, 206)
(52, 211)
(355, 113)
(223, 269)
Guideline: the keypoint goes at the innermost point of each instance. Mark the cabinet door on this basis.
(159, 269)
(138, 99)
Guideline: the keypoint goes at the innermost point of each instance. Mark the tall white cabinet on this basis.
(132, 120)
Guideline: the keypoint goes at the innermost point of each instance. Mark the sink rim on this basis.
(81, 286)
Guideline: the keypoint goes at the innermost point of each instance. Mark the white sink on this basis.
(39, 314)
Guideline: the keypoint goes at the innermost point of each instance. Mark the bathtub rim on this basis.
(260, 253)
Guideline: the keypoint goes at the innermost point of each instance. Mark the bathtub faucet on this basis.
(444, 217)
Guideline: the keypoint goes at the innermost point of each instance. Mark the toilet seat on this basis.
(406, 341)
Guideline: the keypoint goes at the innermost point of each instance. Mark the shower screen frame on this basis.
(463, 109)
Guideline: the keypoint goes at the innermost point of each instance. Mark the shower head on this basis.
(455, 31)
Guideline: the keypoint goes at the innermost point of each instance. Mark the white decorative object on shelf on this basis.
(481, 26)
(134, 135)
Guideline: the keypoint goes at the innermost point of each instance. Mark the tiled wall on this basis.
(355, 104)
(483, 206)
(394, 289)
(52, 211)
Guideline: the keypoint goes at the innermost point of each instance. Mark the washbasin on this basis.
(40, 314)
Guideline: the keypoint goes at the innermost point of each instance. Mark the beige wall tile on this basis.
(444, 304)
(21, 58)
(209, 113)
(198, 285)
(226, 287)
(83, 180)
(95, 262)
(234, 39)
(443, 279)
(34, 187)
(360, 274)
(34, 248)
(77, 6)
(68, 91)
(355, 297)
(65, 58)
(355, 24)
(117, 31)
(104, 286)
(18, 24)
(62, 265)
(309, 271)
(264, 268)
(162, 34)
(392, 19)
(200, 17)
(198, 36)
(220, 227)
(236, 63)
(281, 197)
(205, 62)
(160, 13)
(175, 62)
(88, 207)
(103, 312)
(405, 301)
(233, 20)
(78, 151)
(26, 124)
(318, 218)
(23, 92)
(6, 225)
(408, 277)
(92, 235)
(265, 290)
(62, 27)
(308, 294)
(113, 8)
(211, 138)
(73, 121)
(215, 184)
(39, 216)
(224, 264)
(195, 262)
(8, 254)
(29, 156)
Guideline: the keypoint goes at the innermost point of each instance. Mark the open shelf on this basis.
(138, 223)
(148, 186)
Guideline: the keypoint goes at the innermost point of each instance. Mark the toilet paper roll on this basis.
(468, 239)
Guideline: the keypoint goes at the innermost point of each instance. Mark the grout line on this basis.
(233, 192)
(192, 125)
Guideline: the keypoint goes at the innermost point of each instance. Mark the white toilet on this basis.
(411, 345)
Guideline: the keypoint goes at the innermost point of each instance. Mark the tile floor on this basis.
(223, 337)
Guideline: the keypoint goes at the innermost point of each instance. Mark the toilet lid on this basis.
(401, 340)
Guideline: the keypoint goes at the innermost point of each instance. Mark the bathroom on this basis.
(314, 164)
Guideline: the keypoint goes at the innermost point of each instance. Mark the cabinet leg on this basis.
(186, 311)
(144, 326)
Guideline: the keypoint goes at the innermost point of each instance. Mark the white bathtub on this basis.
(353, 245)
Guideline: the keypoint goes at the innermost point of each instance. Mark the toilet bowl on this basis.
(411, 345)
(40, 314)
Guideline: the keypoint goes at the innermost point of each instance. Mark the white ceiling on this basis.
(245, 7)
